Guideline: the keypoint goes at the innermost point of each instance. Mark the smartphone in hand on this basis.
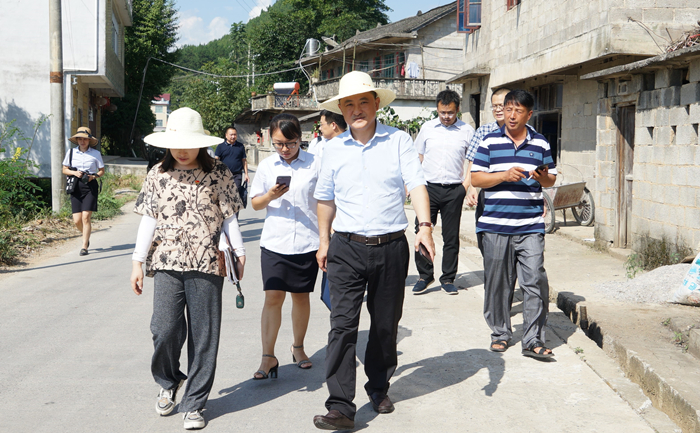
(284, 180)
(424, 252)
(541, 167)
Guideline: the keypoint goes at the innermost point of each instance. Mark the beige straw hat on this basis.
(84, 132)
(354, 83)
(184, 131)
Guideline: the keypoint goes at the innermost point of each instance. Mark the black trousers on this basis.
(238, 180)
(448, 201)
(382, 270)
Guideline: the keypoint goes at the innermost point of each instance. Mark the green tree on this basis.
(277, 37)
(153, 34)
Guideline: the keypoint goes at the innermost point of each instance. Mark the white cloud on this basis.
(193, 31)
(260, 5)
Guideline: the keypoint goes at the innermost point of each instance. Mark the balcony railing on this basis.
(405, 88)
(283, 102)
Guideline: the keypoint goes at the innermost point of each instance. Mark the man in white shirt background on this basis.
(442, 145)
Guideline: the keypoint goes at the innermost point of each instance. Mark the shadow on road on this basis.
(85, 260)
(251, 393)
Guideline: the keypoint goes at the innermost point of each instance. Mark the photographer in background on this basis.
(85, 163)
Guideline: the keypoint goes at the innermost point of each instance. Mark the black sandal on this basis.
(304, 364)
(272, 373)
(494, 346)
(541, 353)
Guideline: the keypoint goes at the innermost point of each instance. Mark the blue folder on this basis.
(325, 291)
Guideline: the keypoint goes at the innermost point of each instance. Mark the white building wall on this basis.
(24, 81)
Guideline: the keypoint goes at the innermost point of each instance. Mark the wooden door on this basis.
(624, 170)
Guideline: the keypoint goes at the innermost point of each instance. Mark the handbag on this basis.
(71, 181)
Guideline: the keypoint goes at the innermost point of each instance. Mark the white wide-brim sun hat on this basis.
(354, 83)
(184, 131)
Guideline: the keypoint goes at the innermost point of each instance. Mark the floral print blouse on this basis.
(190, 207)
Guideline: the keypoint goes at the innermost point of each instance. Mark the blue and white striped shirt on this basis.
(512, 208)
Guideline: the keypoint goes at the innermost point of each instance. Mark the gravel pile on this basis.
(654, 287)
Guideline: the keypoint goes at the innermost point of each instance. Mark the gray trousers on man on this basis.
(505, 258)
(201, 294)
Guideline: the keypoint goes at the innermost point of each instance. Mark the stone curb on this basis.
(662, 395)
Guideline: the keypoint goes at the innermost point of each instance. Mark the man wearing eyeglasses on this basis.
(512, 165)
(331, 125)
(442, 148)
(474, 197)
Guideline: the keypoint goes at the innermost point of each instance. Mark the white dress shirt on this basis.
(316, 147)
(90, 160)
(367, 181)
(444, 150)
(291, 224)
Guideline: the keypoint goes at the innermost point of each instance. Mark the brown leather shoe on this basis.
(333, 420)
(381, 403)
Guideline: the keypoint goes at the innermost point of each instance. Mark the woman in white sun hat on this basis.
(187, 201)
(85, 163)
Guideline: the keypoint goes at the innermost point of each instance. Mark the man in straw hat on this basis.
(361, 191)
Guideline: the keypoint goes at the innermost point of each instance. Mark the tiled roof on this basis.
(406, 25)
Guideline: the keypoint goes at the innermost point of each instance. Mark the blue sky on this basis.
(204, 20)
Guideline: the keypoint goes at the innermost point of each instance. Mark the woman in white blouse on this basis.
(85, 163)
(284, 185)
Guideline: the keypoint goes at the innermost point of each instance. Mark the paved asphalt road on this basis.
(75, 348)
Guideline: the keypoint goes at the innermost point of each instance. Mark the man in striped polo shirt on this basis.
(512, 165)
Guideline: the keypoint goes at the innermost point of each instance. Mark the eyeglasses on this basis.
(290, 145)
(497, 107)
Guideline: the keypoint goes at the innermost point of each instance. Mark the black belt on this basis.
(445, 185)
(371, 240)
(237, 172)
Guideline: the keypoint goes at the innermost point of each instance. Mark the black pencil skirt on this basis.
(84, 198)
(294, 273)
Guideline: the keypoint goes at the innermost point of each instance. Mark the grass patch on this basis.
(23, 233)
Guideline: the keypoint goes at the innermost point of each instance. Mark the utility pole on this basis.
(247, 77)
(58, 135)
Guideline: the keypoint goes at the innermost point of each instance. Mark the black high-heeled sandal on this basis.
(272, 373)
(304, 364)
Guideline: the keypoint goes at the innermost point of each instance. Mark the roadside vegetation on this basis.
(26, 219)
(653, 253)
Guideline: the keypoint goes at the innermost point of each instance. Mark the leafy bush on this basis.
(18, 194)
(653, 253)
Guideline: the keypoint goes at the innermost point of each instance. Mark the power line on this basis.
(223, 76)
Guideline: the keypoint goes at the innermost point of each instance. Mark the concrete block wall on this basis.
(666, 188)
(546, 36)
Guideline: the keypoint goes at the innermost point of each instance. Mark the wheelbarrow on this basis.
(574, 196)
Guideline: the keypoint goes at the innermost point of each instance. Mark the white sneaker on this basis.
(167, 399)
(193, 420)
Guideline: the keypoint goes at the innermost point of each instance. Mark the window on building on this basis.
(363, 65)
(115, 35)
(513, 3)
(389, 66)
(400, 64)
(377, 67)
(546, 117)
(324, 75)
(468, 15)
(159, 123)
(159, 109)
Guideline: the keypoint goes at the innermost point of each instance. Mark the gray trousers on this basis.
(505, 258)
(199, 324)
